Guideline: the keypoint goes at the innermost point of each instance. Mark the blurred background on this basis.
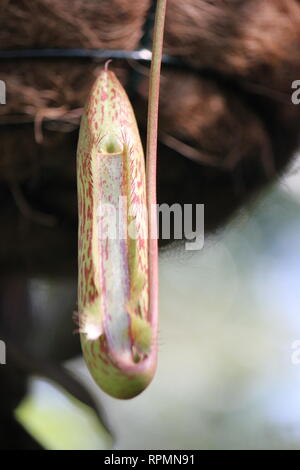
(229, 318)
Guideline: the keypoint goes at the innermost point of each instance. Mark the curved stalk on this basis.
(151, 159)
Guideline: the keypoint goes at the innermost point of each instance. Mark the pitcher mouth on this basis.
(110, 144)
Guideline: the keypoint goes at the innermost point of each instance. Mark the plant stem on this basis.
(151, 157)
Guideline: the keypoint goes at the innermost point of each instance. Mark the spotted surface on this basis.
(113, 274)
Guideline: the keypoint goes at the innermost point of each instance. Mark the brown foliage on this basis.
(232, 114)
